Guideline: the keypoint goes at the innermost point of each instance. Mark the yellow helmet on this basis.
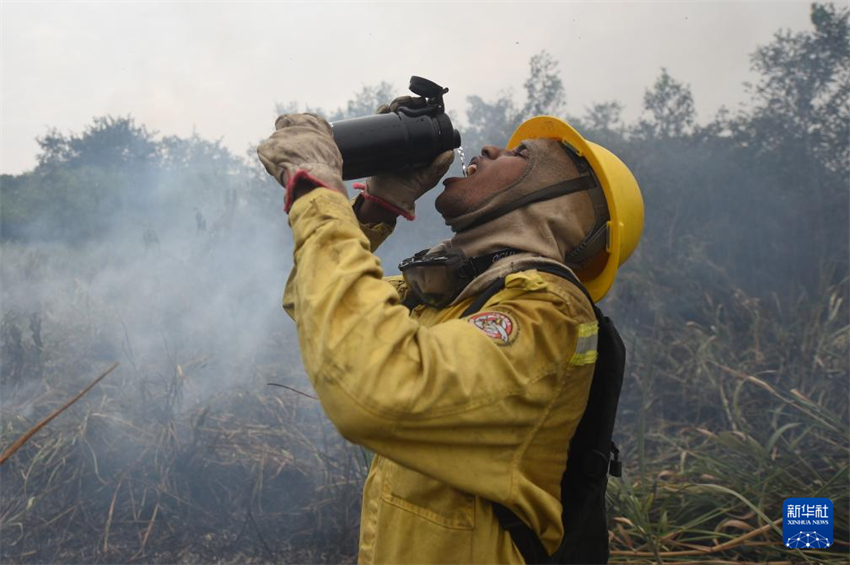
(622, 194)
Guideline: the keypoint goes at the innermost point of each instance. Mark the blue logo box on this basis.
(807, 523)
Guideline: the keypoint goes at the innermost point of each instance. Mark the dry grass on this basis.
(722, 419)
(246, 475)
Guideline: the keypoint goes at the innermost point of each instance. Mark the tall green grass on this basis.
(723, 420)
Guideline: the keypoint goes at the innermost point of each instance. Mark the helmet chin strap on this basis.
(597, 239)
(584, 182)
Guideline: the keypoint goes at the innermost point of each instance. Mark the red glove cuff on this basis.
(382, 203)
(292, 181)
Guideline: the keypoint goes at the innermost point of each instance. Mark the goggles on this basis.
(437, 279)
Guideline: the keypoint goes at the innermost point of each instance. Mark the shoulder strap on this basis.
(565, 273)
(498, 284)
(524, 538)
(482, 298)
(529, 545)
(590, 459)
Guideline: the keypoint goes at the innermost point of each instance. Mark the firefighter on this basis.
(464, 411)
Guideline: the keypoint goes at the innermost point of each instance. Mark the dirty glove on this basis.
(398, 192)
(302, 155)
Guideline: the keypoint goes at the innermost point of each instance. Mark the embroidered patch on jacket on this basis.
(496, 325)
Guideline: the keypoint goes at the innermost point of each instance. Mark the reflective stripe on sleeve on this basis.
(586, 345)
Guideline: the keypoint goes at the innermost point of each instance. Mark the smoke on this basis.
(170, 280)
(171, 255)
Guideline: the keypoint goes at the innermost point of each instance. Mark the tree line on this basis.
(756, 195)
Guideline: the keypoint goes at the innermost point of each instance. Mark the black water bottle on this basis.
(410, 137)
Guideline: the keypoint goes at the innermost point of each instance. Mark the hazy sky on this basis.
(220, 67)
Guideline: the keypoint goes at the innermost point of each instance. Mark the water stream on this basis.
(462, 160)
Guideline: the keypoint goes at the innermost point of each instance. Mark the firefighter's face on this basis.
(488, 173)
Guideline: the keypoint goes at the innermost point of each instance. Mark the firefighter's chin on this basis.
(457, 196)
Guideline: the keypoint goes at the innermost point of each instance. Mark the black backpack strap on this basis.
(589, 463)
(584, 481)
(565, 273)
(524, 538)
(482, 298)
(499, 284)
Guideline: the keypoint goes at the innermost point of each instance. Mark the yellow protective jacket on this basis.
(459, 412)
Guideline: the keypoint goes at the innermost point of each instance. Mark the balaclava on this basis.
(543, 230)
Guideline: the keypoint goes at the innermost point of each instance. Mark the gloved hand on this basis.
(398, 192)
(301, 155)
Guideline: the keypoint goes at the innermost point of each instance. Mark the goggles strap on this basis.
(481, 263)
